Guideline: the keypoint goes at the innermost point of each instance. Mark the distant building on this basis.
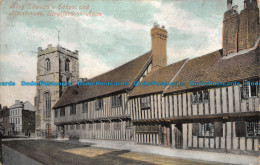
(4, 113)
(22, 118)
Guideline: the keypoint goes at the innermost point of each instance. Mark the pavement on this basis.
(117, 152)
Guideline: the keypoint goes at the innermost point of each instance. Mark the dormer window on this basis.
(48, 64)
(67, 65)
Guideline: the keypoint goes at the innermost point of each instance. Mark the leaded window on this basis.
(117, 100)
(200, 96)
(67, 65)
(252, 129)
(47, 104)
(99, 104)
(248, 89)
(56, 113)
(62, 112)
(48, 64)
(206, 129)
(145, 102)
(73, 109)
(85, 107)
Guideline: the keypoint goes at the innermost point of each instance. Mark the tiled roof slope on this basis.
(213, 67)
(127, 72)
(164, 74)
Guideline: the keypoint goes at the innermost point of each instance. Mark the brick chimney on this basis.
(249, 29)
(230, 29)
(159, 38)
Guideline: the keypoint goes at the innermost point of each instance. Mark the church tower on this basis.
(54, 64)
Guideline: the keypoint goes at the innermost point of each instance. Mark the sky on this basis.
(120, 34)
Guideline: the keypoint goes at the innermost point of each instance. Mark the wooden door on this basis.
(178, 136)
(48, 130)
(166, 136)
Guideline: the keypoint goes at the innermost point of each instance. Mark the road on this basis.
(60, 153)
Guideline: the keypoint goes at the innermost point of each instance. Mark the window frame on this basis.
(85, 107)
(116, 101)
(246, 90)
(67, 65)
(255, 124)
(61, 110)
(203, 132)
(99, 103)
(197, 99)
(73, 109)
(56, 113)
(47, 104)
(47, 64)
(145, 102)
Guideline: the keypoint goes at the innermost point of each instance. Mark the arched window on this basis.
(48, 64)
(47, 104)
(67, 65)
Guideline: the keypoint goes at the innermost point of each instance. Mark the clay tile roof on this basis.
(128, 72)
(164, 74)
(213, 67)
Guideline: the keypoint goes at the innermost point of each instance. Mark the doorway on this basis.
(178, 136)
(48, 130)
(166, 135)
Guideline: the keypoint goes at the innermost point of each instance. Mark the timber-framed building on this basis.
(211, 117)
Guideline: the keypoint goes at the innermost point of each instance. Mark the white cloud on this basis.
(188, 23)
(91, 66)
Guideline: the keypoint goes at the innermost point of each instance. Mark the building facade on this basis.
(211, 102)
(54, 64)
(18, 116)
(4, 113)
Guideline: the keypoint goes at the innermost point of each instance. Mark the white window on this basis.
(248, 89)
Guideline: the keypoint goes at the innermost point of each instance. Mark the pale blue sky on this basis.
(119, 35)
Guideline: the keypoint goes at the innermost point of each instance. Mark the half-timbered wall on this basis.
(97, 124)
(228, 140)
(221, 101)
(104, 130)
(106, 112)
